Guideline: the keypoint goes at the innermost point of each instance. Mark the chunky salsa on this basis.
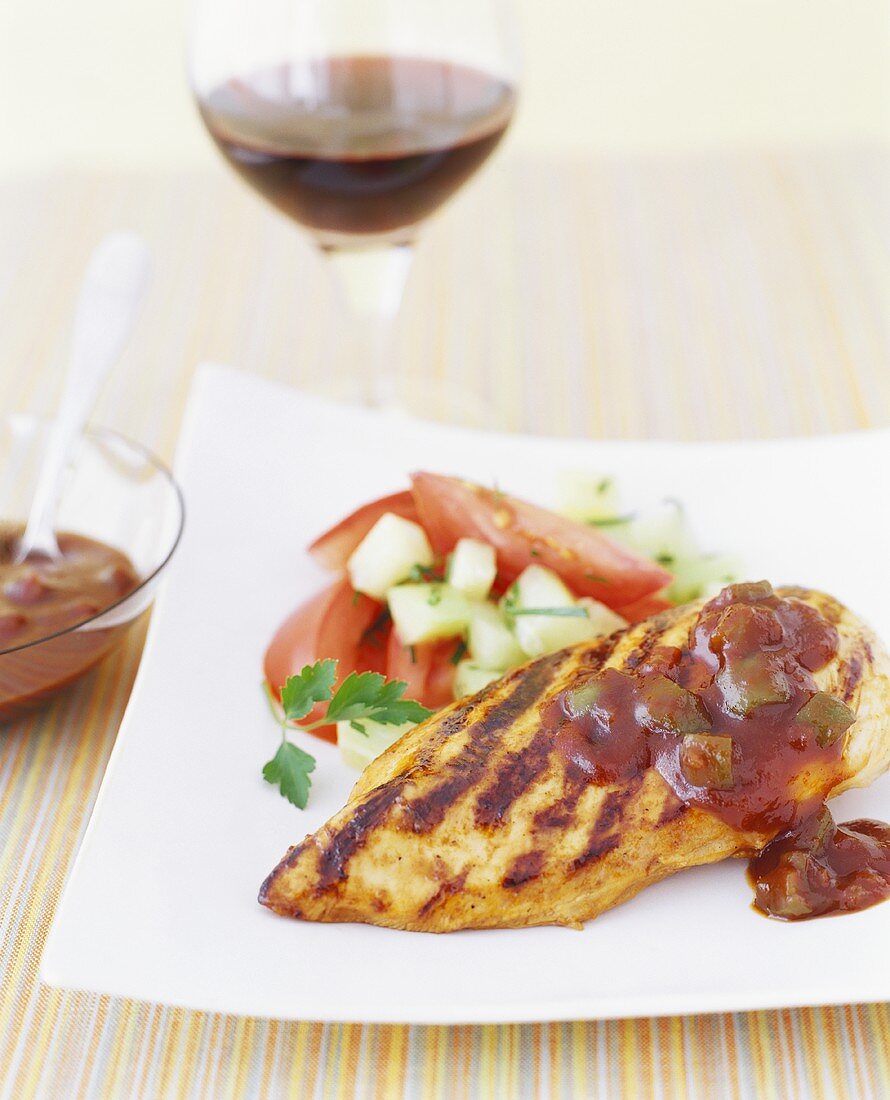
(736, 725)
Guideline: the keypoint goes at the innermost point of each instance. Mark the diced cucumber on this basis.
(470, 678)
(491, 641)
(662, 533)
(538, 586)
(604, 619)
(702, 576)
(387, 554)
(536, 591)
(359, 749)
(585, 497)
(540, 634)
(472, 568)
(424, 612)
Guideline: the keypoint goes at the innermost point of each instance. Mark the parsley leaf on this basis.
(368, 695)
(363, 696)
(313, 685)
(289, 770)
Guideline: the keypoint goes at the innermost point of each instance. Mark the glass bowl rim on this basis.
(162, 468)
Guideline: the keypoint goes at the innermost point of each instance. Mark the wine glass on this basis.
(358, 119)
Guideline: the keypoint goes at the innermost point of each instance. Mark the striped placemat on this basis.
(710, 298)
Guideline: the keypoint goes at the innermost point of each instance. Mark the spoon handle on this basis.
(114, 284)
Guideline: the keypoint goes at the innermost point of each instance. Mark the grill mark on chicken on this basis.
(650, 636)
(453, 723)
(850, 673)
(671, 810)
(560, 813)
(605, 834)
(470, 765)
(344, 844)
(513, 779)
(521, 771)
(524, 868)
(452, 886)
(595, 654)
(598, 847)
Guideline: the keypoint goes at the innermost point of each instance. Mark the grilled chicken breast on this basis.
(474, 819)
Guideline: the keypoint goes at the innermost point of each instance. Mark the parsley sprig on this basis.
(362, 697)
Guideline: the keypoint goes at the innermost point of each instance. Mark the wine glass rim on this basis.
(98, 434)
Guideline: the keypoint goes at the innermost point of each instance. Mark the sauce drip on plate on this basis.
(820, 867)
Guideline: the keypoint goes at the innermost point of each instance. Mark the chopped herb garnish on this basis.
(363, 696)
(560, 612)
(421, 573)
(609, 521)
(435, 596)
(413, 653)
(604, 486)
(459, 650)
(595, 578)
(535, 553)
(664, 559)
(511, 598)
(356, 596)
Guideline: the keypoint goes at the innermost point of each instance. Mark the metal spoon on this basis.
(113, 287)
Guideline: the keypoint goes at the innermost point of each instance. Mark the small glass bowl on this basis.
(115, 491)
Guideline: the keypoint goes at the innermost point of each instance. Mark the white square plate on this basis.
(161, 904)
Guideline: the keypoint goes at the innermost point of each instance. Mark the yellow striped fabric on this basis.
(710, 298)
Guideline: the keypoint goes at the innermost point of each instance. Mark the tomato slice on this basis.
(425, 668)
(335, 623)
(641, 609)
(588, 561)
(333, 549)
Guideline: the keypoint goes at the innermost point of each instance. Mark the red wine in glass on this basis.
(361, 148)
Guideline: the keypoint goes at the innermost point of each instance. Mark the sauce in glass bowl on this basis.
(42, 601)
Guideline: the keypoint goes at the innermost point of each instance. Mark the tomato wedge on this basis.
(333, 549)
(335, 623)
(425, 668)
(641, 609)
(588, 561)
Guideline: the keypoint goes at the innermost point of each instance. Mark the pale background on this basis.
(100, 83)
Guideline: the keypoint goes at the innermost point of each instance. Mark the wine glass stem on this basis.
(372, 282)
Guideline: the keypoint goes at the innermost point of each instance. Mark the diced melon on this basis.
(387, 554)
(702, 576)
(491, 642)
(425, 612)
(470, 678)
(585, 497)
(472, 568)
(359, 749)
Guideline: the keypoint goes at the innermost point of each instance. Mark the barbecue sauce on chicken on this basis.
(736, 725)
